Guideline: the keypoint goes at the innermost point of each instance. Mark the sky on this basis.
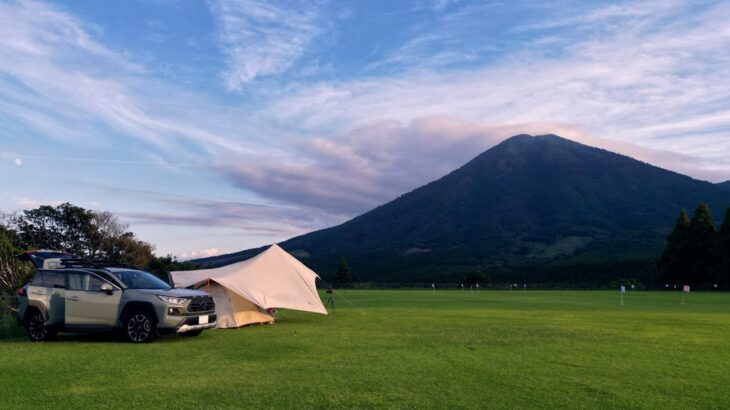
(216, 126)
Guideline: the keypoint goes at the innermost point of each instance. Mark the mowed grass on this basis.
(397, 349)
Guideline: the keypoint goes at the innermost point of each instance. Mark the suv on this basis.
(81, 296)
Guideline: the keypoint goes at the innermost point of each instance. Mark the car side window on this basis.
(75, 280)
(53, 280)
(38, 279)
(83, 281)
(94, 284)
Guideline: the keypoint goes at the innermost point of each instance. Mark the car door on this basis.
(55, 285)
(87, 305)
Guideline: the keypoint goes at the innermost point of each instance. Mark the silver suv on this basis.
(84, 297)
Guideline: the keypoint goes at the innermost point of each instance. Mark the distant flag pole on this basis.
(685, 289)
(622, 289)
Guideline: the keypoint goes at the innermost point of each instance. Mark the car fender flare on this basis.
(34, 304)
(138, 305)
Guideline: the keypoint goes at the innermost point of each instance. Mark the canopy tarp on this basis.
(271, 279)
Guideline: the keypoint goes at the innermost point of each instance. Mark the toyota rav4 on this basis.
(80, 296)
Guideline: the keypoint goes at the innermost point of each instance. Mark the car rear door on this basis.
(87, 306)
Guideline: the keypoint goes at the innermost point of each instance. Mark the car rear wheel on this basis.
(140, 327)
(36, 327)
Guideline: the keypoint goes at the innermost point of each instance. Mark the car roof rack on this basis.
(94, 263)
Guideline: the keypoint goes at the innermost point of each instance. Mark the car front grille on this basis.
(201, 304)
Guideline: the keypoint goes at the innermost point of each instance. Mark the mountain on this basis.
(538, 208)
(725, 184)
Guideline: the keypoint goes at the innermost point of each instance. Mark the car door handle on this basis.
(74, 298)
(36, 292)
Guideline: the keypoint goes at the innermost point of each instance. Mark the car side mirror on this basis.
(107, 288)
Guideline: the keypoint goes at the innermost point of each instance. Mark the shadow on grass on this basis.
(108, 338)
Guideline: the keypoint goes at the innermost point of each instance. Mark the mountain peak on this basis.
(528, 201)
(536, 138)
(527, 141)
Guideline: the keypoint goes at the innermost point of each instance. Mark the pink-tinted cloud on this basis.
(376, 163)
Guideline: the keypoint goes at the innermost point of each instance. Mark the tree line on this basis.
(73, 229)
(696, 251)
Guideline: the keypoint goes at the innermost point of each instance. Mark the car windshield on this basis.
(137, 279)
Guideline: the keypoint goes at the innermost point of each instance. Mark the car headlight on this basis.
(173, 300)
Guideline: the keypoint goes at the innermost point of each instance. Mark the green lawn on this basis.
(451, 349)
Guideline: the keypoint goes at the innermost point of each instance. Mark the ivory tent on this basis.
(244, 291)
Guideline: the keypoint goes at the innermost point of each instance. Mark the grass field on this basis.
(451, 349)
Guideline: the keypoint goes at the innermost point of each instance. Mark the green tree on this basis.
(343, 277)
(161, 266)
(89, 234)
(130, 250)
(106, 230)
(702, 235)
(722, 250)
(674, 263)
(65, 227)
(13, 273)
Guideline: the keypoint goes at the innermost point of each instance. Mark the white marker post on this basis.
(685, 289)
(477, 287)
(433, 287)
(622, 289)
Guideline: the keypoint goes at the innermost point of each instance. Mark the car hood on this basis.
(173, 292)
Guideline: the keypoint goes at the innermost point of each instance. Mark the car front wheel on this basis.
(140, 327)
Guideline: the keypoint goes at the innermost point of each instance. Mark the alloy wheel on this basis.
(37, 327)
(139, 327)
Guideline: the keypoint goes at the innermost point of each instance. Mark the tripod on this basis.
(330, 300)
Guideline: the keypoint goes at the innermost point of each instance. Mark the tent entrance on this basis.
(233, 310)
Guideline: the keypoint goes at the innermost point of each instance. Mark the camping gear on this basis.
(244, 292)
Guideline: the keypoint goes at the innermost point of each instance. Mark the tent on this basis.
(244, 291)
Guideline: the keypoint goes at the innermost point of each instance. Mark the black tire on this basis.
(191, 333)
(140, 326)
(35, 327)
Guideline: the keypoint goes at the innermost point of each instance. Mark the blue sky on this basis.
(216, 126)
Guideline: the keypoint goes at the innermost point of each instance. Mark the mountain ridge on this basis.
(529, 200)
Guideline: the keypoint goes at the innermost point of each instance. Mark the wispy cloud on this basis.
(56, 80)
(261, 38)
(649, 80)
(262, 218)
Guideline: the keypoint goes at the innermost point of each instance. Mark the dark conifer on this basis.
(343, 277)
(722, 250)
(673, 265)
